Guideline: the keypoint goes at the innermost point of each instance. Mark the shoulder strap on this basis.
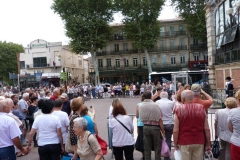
(123, 125)
(87, 139)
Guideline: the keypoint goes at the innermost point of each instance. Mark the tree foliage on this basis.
(141, 25)
(140, 19)
(86, 23)
(8, 58)
(193, 13)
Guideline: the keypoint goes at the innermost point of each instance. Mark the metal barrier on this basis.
(211, 121)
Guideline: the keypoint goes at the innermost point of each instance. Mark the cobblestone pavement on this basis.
(102, 108)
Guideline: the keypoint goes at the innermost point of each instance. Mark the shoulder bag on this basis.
(123, 126)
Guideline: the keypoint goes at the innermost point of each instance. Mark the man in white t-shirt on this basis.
(10, 133)
(63, 117)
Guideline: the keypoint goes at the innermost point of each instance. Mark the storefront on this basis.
(49, 79)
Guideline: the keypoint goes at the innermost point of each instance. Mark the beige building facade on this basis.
(175, 50)
(222, 18)
(44, 61)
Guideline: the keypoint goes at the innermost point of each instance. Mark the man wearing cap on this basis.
(66, 104)
(197, 91)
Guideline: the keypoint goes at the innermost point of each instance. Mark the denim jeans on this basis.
(49, 152)
(7, 153)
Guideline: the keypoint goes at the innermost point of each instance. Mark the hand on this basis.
(25, 151)
(208, 148)
(176, 148)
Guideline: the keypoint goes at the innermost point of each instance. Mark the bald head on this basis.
(186, 96)
(4, 106)
(164, 95)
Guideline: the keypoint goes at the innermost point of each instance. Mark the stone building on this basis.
(222, 18)
(42, 62)
(175, 50)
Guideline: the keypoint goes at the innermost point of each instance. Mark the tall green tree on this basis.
(193, 13)
(8, 58)
(86, 23)
(141, 25)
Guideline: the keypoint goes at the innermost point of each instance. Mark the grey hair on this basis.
(55, 90)
(187, 95)
(25, 95)
(9, 100)
(116, 100)
(81, 122)
(196, 93)
(164, 95)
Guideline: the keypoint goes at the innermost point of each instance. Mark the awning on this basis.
(51, 75)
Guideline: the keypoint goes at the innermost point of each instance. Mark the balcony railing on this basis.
(115, 37)
(155, 49)
(172, 34)
(198, 46)
(42, 65)
(155, 67)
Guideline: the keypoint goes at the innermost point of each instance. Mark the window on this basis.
(22, 64)
(171, 29)
(116, 47)
(163, 45)
(40, 62)
(126, 62)
(135, 62)
(109, 62)
(125, 47)
(172, 44)
(80, 62)
(196, 56)
(195, 41)
(117, 62)
(162, 32)
(173, 59)
(100, 64)
(83, 78)
(205, 55)
(182, 43)
(182, 59)
(181, 30)
(144, 61)
(154, 59)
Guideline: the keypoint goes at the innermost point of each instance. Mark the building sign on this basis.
(38, 44)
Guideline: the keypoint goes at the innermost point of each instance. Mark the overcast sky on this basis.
(22, 21)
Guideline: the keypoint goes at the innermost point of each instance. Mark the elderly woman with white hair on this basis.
(88, 146)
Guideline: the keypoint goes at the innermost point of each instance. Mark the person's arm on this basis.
(17, 143)
(230, 127)
(99, 155)
(208, 97)
(162, 127)
(175, 131)
(59, 134)
(95, 127)
(137, 112)
(30, 137)
(207, 135)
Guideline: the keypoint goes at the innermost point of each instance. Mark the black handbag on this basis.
(216, 149)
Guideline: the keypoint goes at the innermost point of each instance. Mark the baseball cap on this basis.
(196, 88)
(64, 95)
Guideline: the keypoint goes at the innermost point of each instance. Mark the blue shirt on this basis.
(139, 121)
(90, 126)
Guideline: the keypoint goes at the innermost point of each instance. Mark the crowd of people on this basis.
(59, 126)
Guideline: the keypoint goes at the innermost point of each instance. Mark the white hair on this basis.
(81, 122)
(196, 93)
(55, 90)
(25, 95)
(2, 97)
(164, 95)
(187, 95)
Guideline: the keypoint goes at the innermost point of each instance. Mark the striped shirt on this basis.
(234, 118)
